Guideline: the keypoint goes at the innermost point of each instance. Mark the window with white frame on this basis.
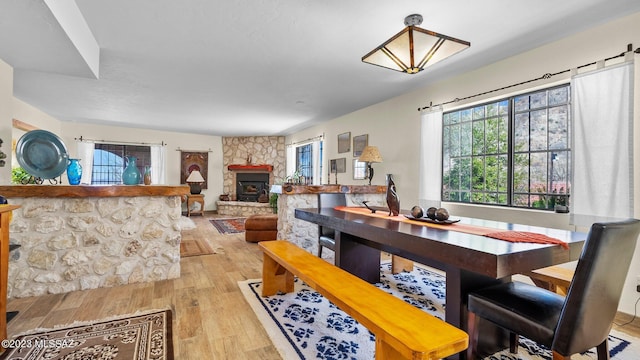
(512, 152)
(304, 162)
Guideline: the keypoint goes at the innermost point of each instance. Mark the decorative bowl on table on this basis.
(432, 215)
(433, 221)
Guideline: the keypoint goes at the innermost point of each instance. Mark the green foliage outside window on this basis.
(511, 152)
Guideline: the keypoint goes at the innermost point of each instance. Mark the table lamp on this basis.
(195, 181)
(370, 154)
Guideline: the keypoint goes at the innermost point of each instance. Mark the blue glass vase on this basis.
(131, 174)
(74, 171)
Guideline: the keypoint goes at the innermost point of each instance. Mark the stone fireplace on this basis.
(250, 182)
(253, 155)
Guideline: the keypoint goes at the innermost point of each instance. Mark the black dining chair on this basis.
(566, 325)
(326, 236)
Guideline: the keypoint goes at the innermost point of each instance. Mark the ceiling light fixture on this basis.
(414, 48)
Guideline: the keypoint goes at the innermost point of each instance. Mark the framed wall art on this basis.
(344, 142)
(359, 143)
(190, 161)
(338, 165)
(341, 165)
(359, 170)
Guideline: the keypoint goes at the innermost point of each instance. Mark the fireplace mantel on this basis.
(256, 167)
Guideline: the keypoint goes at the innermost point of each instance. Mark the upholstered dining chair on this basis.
(326, 236)
(566, 325)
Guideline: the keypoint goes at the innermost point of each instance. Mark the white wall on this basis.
(393, 125)
(33, 116)
(6, 94)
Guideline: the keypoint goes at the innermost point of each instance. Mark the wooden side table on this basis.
(5, 216)
(195, 198)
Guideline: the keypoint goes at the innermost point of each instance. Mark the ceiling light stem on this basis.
(413, 20)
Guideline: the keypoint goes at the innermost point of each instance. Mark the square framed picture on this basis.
(344, 142)
(338, 165)
(359, 170)
(359, 143)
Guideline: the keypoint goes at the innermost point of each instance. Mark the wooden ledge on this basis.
(290, 189)
(262, 167)
(73, 191)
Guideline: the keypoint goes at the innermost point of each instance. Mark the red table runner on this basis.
(506, 235)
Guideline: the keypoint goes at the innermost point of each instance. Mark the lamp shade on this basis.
(370, 154)
(195, 176)
(414, 48)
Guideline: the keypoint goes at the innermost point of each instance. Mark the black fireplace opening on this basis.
(249, 186)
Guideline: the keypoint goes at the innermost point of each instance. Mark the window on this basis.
(512, 152)
(109, 162)
(305, 161)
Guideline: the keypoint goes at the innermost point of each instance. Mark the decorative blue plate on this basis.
(42, 154)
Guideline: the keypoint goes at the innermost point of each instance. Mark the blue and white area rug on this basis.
(304, 325)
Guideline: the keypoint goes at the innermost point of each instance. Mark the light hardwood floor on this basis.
(211, 318)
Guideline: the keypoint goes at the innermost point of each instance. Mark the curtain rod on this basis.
(118, 142)
(318, 137)
(545, 76)
(183, 150)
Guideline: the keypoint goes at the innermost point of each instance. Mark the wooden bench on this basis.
(554, 278)
(402, 331)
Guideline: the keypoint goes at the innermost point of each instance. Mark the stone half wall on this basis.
(305, 234)
(240, 208)
(70, 244)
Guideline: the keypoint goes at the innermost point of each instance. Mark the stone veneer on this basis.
(304, 233)
(70, 244)
(243, 208)
(259, 150)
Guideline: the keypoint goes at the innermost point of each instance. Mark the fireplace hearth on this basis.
(249, 186)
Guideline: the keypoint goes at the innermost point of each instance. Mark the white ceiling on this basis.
(261, 67)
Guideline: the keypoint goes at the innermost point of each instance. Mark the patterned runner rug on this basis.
(132, 337)
(501, 234)
(304, 325)
(229, 226)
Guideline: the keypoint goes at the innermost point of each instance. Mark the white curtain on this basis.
(291, 160)
(158, 160)
(430, 183)
(84, 150)
(317, 176)
(602, 186)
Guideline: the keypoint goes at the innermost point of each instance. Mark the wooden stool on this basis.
(261, 228)
(554, 278)
(192, 199)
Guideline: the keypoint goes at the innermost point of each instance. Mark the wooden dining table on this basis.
(469, 261)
